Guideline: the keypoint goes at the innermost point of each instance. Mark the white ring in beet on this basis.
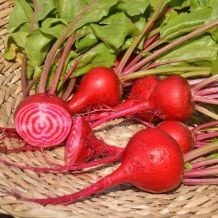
(73, 145)
(43, 120)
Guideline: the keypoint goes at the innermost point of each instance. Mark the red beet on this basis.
(172, 97)
(180, 132)
(99, 88)
(170, 100)
(141, 91)
(152, 161)
(82, 145)
(43, 120)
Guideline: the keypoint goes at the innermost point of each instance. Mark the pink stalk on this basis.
(206, 112)
(63, 57)
(24, 81)
(96, 114)
(112, 179)
(23, 75)
(202, 172)
(207, 91)
(207, 99)
(204, 163)
(210, 181)
(204, 136)
(200, 144)
(204, 83)
(161, 63)
(93, 117)
(195, 153)
(68, 91)
(148, 42)
(120, 113)
(148, 26)
(211, 99)
(72, 69)
(205, 125)
(52, 53)
(29, 86)
(25, 148)
(145, 123)
(65, 168)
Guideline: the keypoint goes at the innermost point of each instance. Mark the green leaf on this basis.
(114, 30)
(14, 43)
(133, 8)
(156, 3)
(33, 71)
(37, 46)
(87, 39)
(214, 16)
(195, 4)
(45, 7)
(18, 38)
(89, 10)
(67, 10)
(179, 4)
(194, 50)
(214, 68)
(188, 166)
(97, 56)
(179, 24)
(53, 26)
(212, 156)
(97, 9)
(22, 13)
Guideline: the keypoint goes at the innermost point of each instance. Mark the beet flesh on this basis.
(43, 120)
(82, 145)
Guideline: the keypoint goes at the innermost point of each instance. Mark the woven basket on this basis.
(121, 201)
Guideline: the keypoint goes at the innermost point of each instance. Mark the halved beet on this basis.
(43, 120)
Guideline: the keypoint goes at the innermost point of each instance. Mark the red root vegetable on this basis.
(171, 99)
(189, 137)
(82, 145)
(172, 96)
(152, 161)
(180, 132)
(100, 87)
(43, 120)
(141, 91)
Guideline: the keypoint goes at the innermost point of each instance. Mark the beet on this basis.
(152, 161)
(99, 88)
(43, 120)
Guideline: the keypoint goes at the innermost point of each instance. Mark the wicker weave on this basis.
(121, 201)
